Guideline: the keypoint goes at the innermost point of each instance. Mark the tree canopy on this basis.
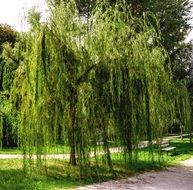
(7, 34)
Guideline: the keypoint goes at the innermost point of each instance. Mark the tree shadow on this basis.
(183, 146)
(15, 180)
(12, 179)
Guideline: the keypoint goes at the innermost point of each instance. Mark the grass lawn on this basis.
(13, 178)
(60, 175)
(10, 151)
(184, 150)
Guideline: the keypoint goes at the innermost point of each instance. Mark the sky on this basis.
(13, 13)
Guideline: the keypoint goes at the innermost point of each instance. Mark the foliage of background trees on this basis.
(8, 64)
(108, 77)
(174, 23)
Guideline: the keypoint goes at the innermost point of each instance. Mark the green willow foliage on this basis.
(88, 82)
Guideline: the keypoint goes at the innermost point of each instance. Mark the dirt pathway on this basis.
(174, 178)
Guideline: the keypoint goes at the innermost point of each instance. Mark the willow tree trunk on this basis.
(72, 131)
(103, 111)
(126, 113)
(123, 110)
(106, 146)
(148, 121)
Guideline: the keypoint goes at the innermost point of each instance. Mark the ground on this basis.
(174, 178)
(60, 176)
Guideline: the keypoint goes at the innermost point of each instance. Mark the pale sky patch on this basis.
(13, 12)
(190, 36)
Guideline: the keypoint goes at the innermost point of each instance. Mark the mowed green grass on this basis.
(10, 151)
(60, 175)
(184, 150)
(12, 177)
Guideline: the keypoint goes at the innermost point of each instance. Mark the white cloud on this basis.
(13, 12)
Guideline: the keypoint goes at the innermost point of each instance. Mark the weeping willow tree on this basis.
(90, 83)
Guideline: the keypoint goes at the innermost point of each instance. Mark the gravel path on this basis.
(174, 178)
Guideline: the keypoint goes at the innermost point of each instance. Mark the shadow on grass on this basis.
(143, 165)
(62, 171)
(59, 175)
(16, 180)
(183, 146)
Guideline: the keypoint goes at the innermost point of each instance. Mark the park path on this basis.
(66, 156)
(174, 178)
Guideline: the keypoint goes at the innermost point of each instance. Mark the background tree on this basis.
(8, 64)
(7, 34)
(173, 18)
(10, 61)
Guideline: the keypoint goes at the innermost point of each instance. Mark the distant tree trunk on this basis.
(191, 128)
(191, 120)
(181, 131)
(8, 138)
(190, 136)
